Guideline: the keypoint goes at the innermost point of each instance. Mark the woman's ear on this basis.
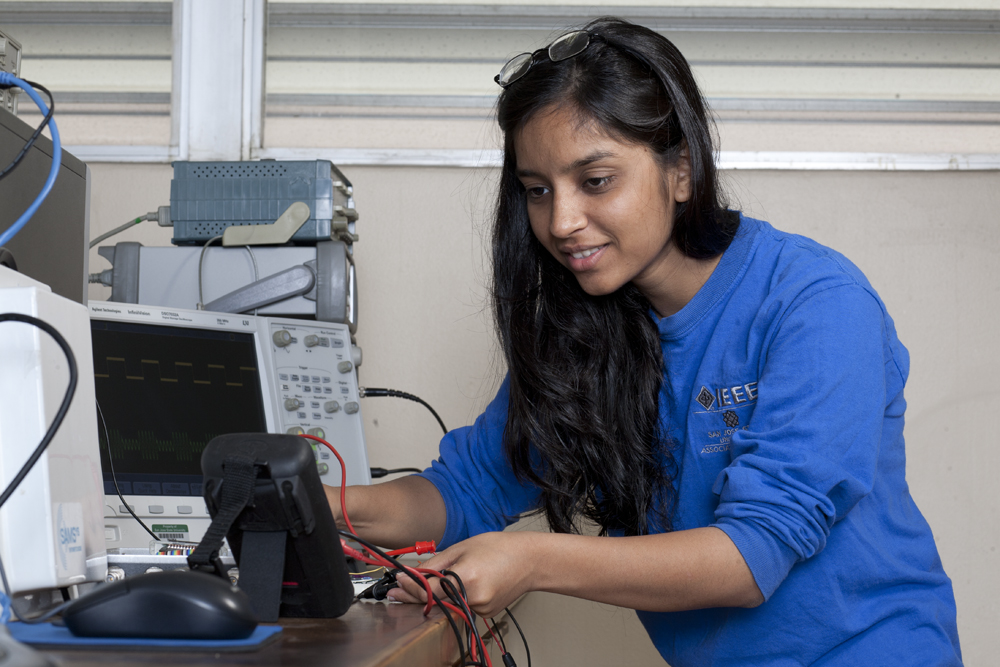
(679, 177)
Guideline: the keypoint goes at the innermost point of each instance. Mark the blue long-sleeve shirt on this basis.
(783, 400)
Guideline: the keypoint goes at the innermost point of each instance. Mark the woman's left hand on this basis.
(496, 569)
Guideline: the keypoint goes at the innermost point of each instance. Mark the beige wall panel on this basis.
(858, 137)
(126, 76)
(382, 131)
(108, 40)
(118, 193)
(470, 44)
(424, 319)
(841, 47)
(399, 78)
(476, 44)
(108, 128)
(838, 4)
(849, 83)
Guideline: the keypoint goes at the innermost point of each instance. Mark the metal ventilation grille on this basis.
(253, 170)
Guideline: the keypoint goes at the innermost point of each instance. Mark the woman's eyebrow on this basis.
(573, 166)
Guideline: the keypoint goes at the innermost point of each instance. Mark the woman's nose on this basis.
(568, 216)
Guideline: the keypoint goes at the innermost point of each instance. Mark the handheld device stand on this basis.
(264, 494)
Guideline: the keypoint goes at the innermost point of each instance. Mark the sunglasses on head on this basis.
(569, 45)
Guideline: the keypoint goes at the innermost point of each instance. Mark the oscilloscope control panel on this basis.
(316, 387)
(196, 371)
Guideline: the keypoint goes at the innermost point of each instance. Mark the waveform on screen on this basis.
(175, 372)
(146, 445)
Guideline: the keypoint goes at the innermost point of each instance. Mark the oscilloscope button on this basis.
(156, 509)
(184, 509)
(312, 340)
(282, 338)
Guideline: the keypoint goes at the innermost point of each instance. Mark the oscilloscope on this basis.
(169, 380)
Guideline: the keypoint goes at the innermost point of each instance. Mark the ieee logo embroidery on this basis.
(724, 397)
(706, 398)
(724, 401)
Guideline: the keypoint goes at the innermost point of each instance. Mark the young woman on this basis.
(724, 400)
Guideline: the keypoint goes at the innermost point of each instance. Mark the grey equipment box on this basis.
(208, 197)
(266, 278)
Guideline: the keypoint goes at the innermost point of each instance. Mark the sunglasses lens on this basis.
(514, 69)
(569, 45)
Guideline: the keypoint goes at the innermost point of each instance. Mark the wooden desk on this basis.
(368, 635)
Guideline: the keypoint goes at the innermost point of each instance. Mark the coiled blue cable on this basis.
(7, 79)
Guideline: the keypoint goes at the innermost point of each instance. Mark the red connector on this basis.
(419, 548)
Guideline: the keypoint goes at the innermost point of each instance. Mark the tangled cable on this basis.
(456, 603)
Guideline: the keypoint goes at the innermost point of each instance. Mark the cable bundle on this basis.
(455, 591)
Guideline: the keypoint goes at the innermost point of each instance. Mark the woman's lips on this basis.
(582, 260)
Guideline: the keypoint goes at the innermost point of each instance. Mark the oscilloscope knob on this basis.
(331, 406)
(282, 338)
(293, 404)
(312, 340)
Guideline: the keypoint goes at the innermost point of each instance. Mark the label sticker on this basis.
(171, 531)
(71, 560)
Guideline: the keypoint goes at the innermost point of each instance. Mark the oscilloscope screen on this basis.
(164, 393)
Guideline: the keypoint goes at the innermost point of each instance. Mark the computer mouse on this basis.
(177, 604)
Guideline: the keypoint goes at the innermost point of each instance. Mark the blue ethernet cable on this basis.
(7, 79)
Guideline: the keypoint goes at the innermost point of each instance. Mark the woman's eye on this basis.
(536, 192)
(597, 182)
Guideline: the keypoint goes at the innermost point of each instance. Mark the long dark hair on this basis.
(585, 371)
